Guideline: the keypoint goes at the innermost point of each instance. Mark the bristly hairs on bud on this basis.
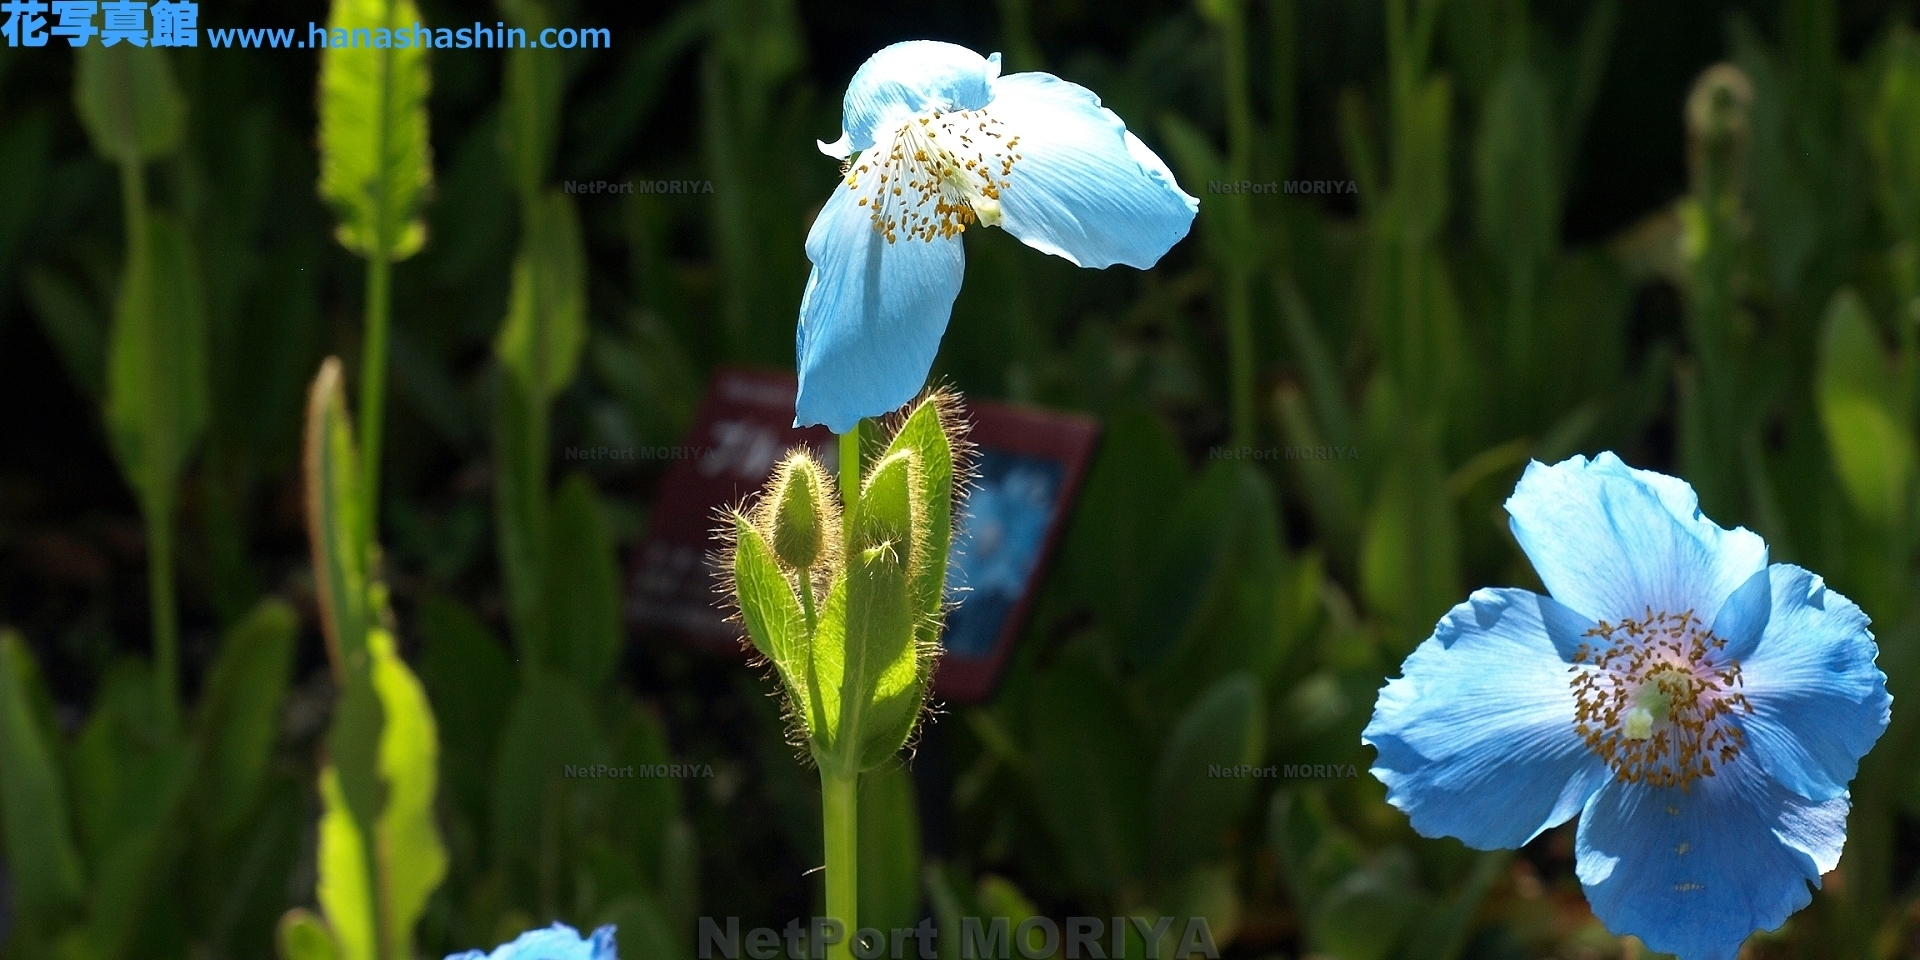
(809, 572)
(947, 406)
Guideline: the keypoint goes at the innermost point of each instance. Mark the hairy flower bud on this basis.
(800, 512)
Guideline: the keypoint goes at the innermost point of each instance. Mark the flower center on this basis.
(954, 163)
(1654, 698)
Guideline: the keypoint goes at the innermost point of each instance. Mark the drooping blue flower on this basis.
(1701, 711)
(558, 942)
(936, 140)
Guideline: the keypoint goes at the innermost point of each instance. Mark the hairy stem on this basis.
(840, 815)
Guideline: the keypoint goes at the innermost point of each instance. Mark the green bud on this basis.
(800, 509)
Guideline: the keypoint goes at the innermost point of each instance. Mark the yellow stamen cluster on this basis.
(1654, 697)
(955, 163)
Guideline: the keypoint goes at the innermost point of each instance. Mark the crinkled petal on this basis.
(911, 78)
(1084, 188)
(1694, 872)
(558, 942)
(1614, 542)
(1476, 738)
(1819, 703)
(873, 312)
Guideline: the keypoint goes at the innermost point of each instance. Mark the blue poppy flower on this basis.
(936, 140)
(558, 942)
(1701, 711)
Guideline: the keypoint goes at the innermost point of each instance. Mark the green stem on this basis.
(373, 386)
(850, 475)
(157, 497)
(840, 816)
(166, 628)
(806, 601)
(1239, 299)
(373, 360)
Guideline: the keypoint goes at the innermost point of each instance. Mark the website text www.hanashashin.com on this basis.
(176, 23)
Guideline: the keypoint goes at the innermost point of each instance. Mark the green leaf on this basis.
(550, 726)
(826, 669)
(889, 870)
(470, 680)
(925, 435)
(375, 160)
(520, 512)
(344, 889)
(336, 528)
(1873, 451)
(648, 820)
(1518, 199)
(41, 858)
(240, 713)
(130, 780)
(583, 593)
(1893, 133)
(128, 101)
(157, 366)
(1216, 587)
(772, 614)
(531, 90)
(1194, 804)
(1088, 772)
(401, 857)
(151, 783)
(882, 663)
(70, 320)
(641, 927)
(1134, 483)
(1207, 893)
(410, 850)
(302, 936)
(546, 324)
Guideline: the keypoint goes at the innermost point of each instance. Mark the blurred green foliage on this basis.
(168, 291)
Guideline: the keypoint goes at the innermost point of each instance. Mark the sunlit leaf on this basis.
(375, 161)
(1873, 452)
(336, 528)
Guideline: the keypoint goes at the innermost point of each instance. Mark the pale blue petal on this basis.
(1613, 542)
(1083, 187)
(1694, 872)
(912, 78)
(1476, 738)
(1819, 703)
(558, 942)
(1743, 618)
(873, 312)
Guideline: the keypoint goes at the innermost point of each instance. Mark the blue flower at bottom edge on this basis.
(1701, 711)
(936, 140)
(558, 942)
